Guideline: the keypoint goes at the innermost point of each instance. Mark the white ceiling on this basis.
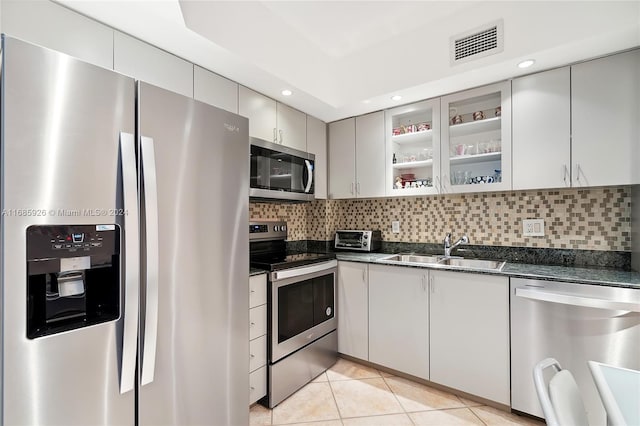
(345, 58)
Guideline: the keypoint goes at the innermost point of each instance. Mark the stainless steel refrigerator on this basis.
(124, 266)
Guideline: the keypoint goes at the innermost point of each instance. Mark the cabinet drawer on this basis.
(257, 322)
(257, 353)
(257, 290)
(257, 384)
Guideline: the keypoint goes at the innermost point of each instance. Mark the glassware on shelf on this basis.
(458, 177)
(467, 177)
(472, 149)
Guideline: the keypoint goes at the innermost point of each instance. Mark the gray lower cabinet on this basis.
(257, 337)
(399, 319)
(353, 309)
(469, 324)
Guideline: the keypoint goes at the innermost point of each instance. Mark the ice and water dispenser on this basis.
(73, 277)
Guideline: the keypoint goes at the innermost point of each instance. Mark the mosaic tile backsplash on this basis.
(579, 219)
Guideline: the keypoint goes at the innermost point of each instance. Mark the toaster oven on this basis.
(358, 240)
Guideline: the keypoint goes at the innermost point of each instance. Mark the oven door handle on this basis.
(305, 270)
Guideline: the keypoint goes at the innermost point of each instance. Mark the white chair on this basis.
(560, 399)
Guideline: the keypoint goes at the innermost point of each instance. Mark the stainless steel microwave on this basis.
(280, 172)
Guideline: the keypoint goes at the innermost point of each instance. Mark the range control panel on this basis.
(48, 241)
(267, 230)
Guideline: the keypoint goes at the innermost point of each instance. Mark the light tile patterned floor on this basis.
(351, 394)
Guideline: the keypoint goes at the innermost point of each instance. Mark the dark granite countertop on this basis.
(582, 275)
(256, 271)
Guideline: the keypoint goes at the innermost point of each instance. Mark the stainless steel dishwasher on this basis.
(573, 323)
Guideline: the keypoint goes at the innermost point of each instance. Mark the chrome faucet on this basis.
(447, 243)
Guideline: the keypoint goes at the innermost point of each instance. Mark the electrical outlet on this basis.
(395, 226)
(533, 227)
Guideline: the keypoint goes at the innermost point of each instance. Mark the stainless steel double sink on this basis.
(455, 262)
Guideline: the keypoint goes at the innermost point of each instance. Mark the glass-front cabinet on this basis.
(413, 149)
(476, 140)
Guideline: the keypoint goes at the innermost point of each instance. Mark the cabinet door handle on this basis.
(577, 172)
(252, 324)
(351, 188)
(280, 135)
(251, 356)
(424, 282)
(364, 275)
(432, 285)
(437, 184)
(358, 188)
(275, 134)
(565, 173)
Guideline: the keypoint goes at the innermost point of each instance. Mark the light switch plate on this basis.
(533, 227)
(395, 226)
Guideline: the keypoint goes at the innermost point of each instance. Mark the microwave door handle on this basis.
(152, 244)
(310, 174)
(132, 262)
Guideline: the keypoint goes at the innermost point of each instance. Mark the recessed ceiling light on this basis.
(286, 92)
(526, 64)
(366, 101)
(396, 97)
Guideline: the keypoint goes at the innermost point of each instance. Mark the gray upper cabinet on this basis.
(272, 121)
(292, 127)
(50, 25)
(317, 145)
(261, 112)
(342, 159)
(357, 157)
(215, 90)
(152, 65)
(605, 120)
(542, 130)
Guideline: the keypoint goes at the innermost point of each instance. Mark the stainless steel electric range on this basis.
(301, 305)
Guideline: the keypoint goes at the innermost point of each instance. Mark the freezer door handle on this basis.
(132, 262)
(578, 300)
(151, 230)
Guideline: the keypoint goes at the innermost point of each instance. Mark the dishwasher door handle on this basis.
(577, 300)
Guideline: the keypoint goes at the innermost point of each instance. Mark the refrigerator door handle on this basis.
(132, 262)
(151, 228)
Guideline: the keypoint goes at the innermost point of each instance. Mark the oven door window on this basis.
(303, 305)
(280, 171)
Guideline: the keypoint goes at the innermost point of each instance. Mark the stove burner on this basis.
(279, 261)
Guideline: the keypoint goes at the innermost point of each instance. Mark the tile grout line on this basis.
(474, 413)
(335, 401)
(396, 397)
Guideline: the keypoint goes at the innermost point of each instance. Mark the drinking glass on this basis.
(459, 177)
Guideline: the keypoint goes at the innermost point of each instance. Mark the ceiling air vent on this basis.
(480, 42)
